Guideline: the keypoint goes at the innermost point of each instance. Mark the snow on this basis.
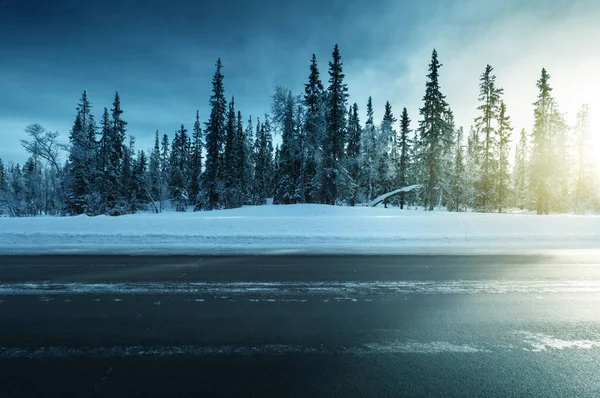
(304, 228)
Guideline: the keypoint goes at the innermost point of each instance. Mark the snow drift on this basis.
(300, 229)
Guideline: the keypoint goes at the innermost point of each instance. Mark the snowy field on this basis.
(300, 229)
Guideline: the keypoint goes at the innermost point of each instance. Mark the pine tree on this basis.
(457, 197)
(520, 172)
(388, 150)
(82, 157)
(540, 179)
(154, 176)
(263, 169)
(432, 133)
(503, 175)
(353, 152)
(215, 135)
(229, 162)
(489, 97)
(178, 169)
(118, 152)
(404, 149)
(333, 172)
(127, 202)
(195, 167)
(585, 168)
(108, 180)
(249, 158)
(165, 170)
(287, 176)
(314, 131)
(370, 154)
(239, 150)
(139, 182)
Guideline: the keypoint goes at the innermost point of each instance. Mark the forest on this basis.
(327, 155)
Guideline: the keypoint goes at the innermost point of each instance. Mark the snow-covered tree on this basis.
(314, 128)
(334, 175)
(353, 154)
(489, 98)
(215, 136)
(456, 193)
(503, 174)
(520, 175)
(404, 155)
(433, 130)
(195, 166)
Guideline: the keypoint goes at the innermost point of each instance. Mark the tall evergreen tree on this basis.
(82, 157)
(540, 179)
(353, 152)
(370, 154)
(118, 153)
(314, 131)
(457, 178)
(404, 149)
(489, 97)
(178, 169)
(334, 175)
(520, 172)
(215, 135)
(584, 162)
(432, 133)
(388, 150)
(154, 176)
(249, 158)
(239, 150)
(165, 169)
(195, 166)
(287, 175)
(503, 174)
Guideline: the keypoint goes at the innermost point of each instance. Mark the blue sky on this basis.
(160, 56)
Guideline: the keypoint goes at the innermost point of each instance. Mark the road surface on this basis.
(330, 326)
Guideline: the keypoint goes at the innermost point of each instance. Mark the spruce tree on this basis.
(404, 149)
(286, 178)
(388, 151)
(229, 162)
(503, 174)
(249, 158)
(107, 180)
(314, 131)
(432, 133)
(540, 179)
(215, 135)
(370, 154)
(154, 176)
(521, 172)
(333, 173)
(489, 97)
(353, 152)
(584, 162)
(118, 153)
(165, 169)
(239, 150)
(195, 166)
(82, 158)
(457, 179)
(178, 169)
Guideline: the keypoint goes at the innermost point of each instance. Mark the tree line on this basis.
(327, 155)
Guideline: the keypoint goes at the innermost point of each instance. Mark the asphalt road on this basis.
(330, 326)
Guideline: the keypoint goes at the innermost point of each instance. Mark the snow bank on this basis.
(300, 229)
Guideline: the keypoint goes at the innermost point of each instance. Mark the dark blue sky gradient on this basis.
(160, 55)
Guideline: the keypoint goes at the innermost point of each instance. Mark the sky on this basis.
(160, 56)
